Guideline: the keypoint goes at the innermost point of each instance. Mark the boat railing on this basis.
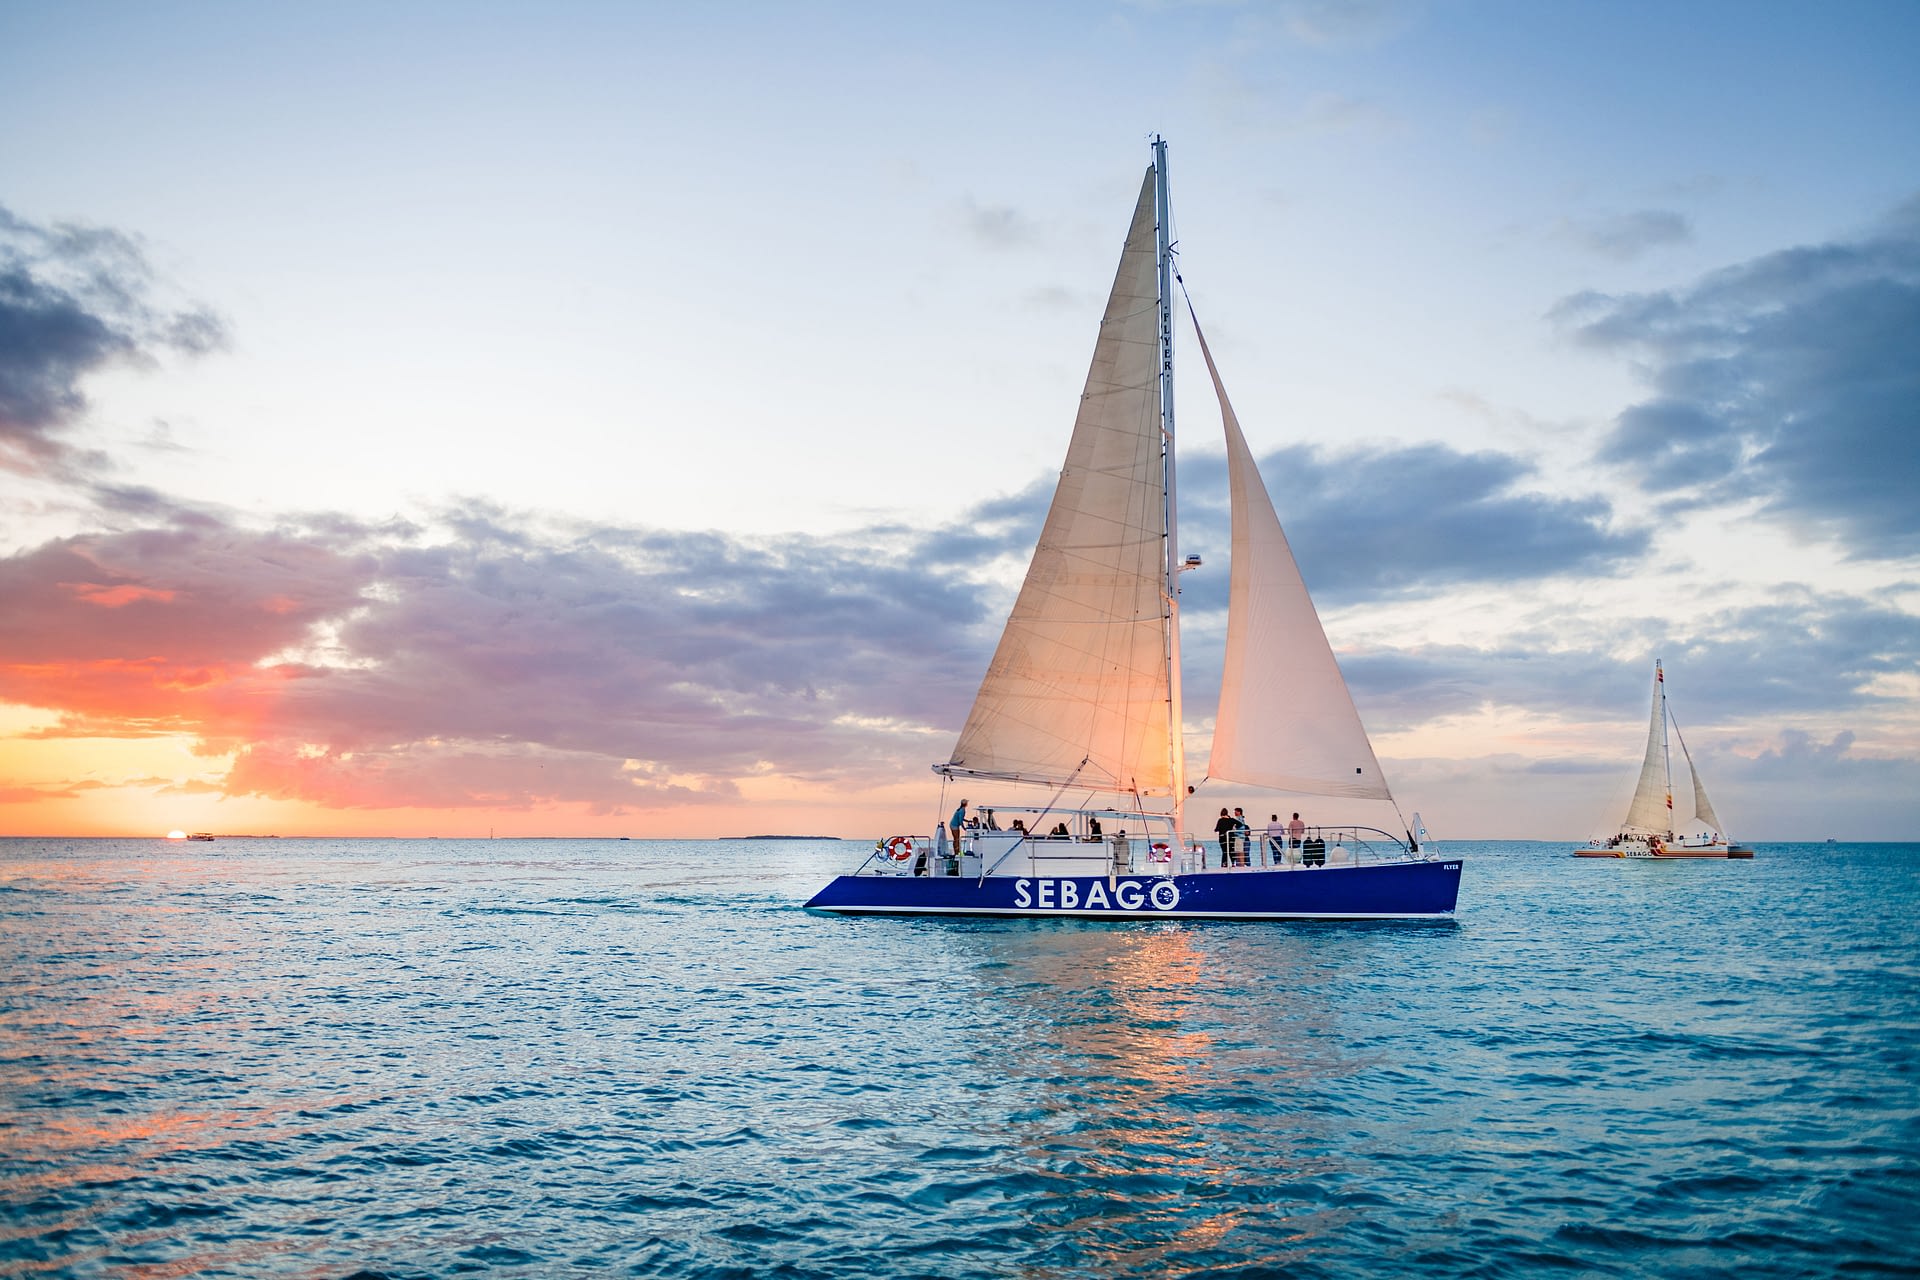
(1140, 854)
(1314, 847)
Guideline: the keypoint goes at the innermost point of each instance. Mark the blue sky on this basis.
(737, 346)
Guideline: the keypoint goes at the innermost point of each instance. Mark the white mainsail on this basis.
(1079, 688)
(1651, 812)
(1286, 719)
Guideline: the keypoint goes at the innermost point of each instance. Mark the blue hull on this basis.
(1383, 891)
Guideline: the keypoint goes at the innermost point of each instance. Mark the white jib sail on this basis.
(1286, 719)
(1703, 807)
(1078, 688)
(1651, 812)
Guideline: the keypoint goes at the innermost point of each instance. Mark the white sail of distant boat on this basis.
(1649, 829)
(1080, 710)
(1702, 807)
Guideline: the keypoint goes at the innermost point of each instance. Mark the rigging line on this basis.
(1140, 809)
(1058, 792)
(1413, 845)
(939, 815)
(1193, 317)
(1683, 738)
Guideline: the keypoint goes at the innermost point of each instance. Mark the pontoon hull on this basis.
(1666, 853)
(1378, 891)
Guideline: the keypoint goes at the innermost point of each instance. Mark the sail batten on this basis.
(1078, 687)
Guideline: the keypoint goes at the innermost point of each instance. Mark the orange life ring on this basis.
(1161, 851)
(899, 848)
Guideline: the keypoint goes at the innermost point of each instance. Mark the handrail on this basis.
(1367, 844)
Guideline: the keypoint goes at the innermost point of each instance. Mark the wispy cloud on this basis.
(998, 226)
(1331, 24)
(1626, 236)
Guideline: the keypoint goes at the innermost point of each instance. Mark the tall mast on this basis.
(1163, 260)
(1660, 681)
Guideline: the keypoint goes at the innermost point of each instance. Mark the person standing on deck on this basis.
(1276, 839)
(1295, 830)
(1242, 836)
(1223, 829)
(957, 823)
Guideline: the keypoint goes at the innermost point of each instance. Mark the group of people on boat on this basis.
(1281, 842)
(982, 819)
(1236, 836)
(1234, 832)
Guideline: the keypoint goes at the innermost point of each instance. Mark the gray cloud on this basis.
(1802, 787)
(73, 300)
(1000, 526)
(1800, 654)
(1793, 378)
(1384, 522)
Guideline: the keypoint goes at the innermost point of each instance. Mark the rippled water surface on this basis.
(428, 1058)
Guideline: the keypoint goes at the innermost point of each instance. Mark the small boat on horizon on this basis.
(201, 835)
(1648, 830)
(1079, 715)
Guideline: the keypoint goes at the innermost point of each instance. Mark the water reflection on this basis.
(1187, 1077)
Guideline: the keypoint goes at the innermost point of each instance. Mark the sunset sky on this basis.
(619, 419)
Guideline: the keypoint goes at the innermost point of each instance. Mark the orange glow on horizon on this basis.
(133, 788)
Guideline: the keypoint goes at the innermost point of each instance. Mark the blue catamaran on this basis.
(1076, 730)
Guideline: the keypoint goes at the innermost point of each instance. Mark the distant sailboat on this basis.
(1649, 830)
(1081, 704)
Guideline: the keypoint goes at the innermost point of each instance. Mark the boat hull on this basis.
(1668, 853)
(1374, 891)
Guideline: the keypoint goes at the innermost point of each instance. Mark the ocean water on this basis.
(421, 1058)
